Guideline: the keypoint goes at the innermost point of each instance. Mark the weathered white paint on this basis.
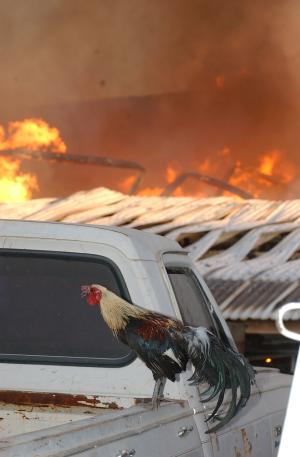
(150, 433)
(24, 419)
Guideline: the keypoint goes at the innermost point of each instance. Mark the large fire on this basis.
(271, 169)
(29, 135)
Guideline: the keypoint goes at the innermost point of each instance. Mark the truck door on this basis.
(249, 432)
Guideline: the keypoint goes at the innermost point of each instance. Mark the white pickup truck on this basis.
(68, 388)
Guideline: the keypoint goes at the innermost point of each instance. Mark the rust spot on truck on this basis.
(237, 452)
(246, 442)
(142, 401)
(43, 399)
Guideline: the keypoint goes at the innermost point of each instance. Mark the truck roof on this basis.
(135, 244)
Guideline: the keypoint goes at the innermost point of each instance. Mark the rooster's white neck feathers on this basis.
(116, 312)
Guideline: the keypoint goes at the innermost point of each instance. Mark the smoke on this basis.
(172, 81)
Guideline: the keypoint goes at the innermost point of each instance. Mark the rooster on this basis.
(166, 345)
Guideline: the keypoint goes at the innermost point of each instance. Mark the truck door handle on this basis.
(184, 431)
(126, 453)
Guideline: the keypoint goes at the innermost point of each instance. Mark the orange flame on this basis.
(15, 186)
(268, 162)
(30, 134)
(33, 134)
(220, 82)
(272, 165)
(170, 175)
(151, 192)
(272, 169)
(126, 184)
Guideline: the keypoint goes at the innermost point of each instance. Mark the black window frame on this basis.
(65, 360)
(218, 327)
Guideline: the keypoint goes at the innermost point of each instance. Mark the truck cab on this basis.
(63, 374)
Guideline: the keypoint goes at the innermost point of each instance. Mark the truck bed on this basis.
(110, 431)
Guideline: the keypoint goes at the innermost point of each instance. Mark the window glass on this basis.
(190, 298)
(43, 317)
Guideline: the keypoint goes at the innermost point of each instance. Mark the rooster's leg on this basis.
(158, 392)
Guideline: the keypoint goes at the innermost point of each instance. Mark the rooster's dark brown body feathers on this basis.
(157, 340)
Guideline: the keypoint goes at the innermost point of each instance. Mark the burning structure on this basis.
(195, 109)
(247, 250)
(34, 139)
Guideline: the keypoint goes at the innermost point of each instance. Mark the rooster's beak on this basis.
(85, 290)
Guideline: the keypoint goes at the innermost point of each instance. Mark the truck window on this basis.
(190, 298)
(43, 318)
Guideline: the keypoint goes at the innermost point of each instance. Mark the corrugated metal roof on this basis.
(248, 250)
